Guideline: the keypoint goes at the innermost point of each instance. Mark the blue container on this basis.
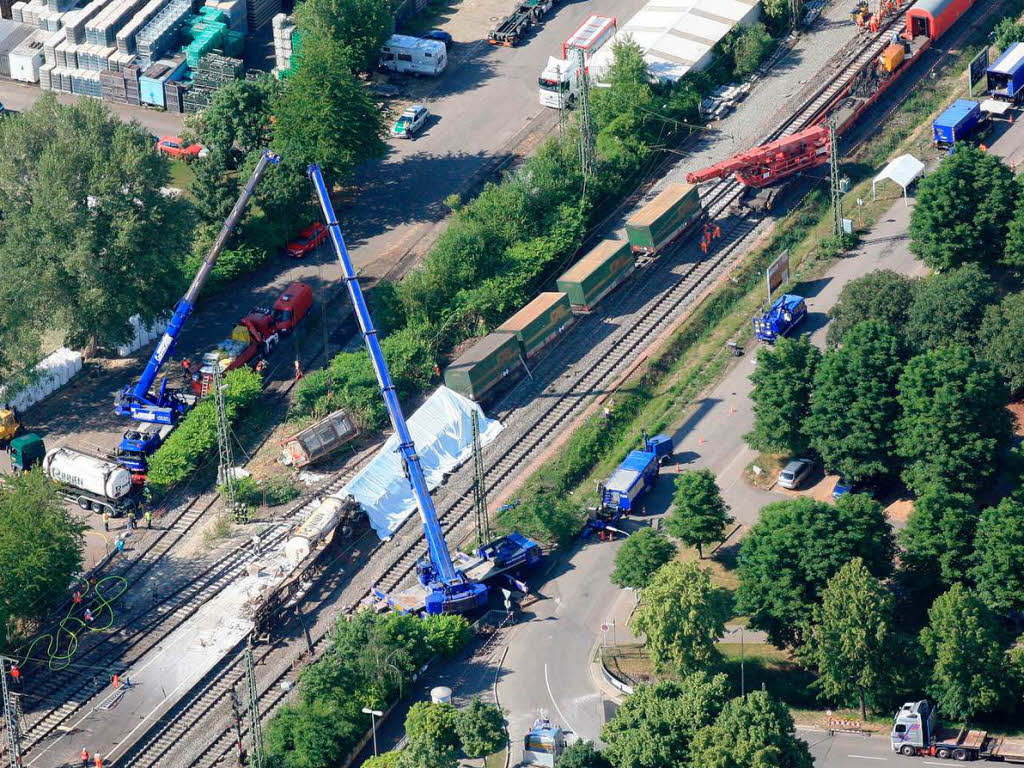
(956, 123)
(151, 84)
(1006, 77)
(632, 477)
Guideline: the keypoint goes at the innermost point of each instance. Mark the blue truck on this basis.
(957, 123)
(635, 474)
(1005, 78)
(781, 319)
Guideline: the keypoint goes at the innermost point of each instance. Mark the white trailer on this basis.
(91, 482)
(413, 55)
(562, 79)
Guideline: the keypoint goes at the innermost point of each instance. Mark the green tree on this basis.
(1001, 340)
(777, 14)
(789, 555)
(999, 557)
(962, 210)
(84, 189)
(881, 295)
(309, 735)
(850, 642)
(653, 727)
(949, 308)
(431, 738)
(583, 754)
(326, 115)
(854, 403)
(1007, 32)
(967, 652)
(40, 548)
(390, 759)
(643, 553)
(783, 381)
(239, 116)
(361, 26)
(748, 46)
(752, 732)
(938, 538)
(682, 616)
(954, 425)
(699, 513)
(214, 189)
(623, 112)
(481, 729)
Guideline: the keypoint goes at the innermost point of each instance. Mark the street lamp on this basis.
(743, 685)
(374, 714)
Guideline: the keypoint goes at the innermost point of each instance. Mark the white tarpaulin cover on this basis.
(904, 170)
(442, 429)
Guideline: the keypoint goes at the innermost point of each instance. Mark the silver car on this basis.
(795, 473)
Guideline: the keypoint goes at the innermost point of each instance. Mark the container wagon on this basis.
(1005, 78)
(957, 123)
(319, 440)
(662, 220)
(591, 278)
(540, 322)
(480, 371)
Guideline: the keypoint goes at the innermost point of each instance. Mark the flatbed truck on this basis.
(916, 732)
(514, 27)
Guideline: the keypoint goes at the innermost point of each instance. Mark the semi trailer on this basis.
(916, 732)
(91, 482)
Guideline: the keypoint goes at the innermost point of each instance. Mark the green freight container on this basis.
(492, 360)
(593, 276)
(658, 222)
(540, 322)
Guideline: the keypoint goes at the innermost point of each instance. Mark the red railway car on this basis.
(931, 18)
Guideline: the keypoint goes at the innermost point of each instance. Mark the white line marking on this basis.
(925, 762)
(552, 697)
(868, 757)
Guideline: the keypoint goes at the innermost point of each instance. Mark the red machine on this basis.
(764, 165)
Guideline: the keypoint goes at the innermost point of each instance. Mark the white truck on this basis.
(413, 55)
(92, 482)
(916, 732)
(561, 80)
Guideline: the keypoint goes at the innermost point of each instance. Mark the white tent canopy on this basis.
(442, 429)
(904, 170)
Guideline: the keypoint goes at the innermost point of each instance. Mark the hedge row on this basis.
(196, 436)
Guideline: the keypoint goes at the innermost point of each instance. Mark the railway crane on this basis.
(768, 163)
(165, 406)
(448, 588)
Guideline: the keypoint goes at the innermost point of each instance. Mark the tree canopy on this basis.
(1001, 340)
(881, 295)
(239, 116)
(949, 307)
(699, 513)
(431, 737)
(968, 655)
(999, 557)
(653, 727)
(783, 381)
(954, 425)
(850, 642)
(789, 555)
(481, 729)
(962, 210)
(938, 539)
(361, 26)
(854, 403)
(643, 553)
(583, 754)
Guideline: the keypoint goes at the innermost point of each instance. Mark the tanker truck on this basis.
(91, 482)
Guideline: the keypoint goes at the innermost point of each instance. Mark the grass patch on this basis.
(497, 760)
(770, 464)
(723, 571)
(766, 666)
(182, 175)
(221, 529)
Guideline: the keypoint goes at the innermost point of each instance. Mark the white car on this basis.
(795, 473)
(410, 122)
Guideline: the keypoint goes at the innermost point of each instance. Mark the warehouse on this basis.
(678, 35)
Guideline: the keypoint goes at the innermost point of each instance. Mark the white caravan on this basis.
(414, 55)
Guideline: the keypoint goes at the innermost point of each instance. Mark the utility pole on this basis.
(225, 458)
(586, 127)
(255, 726)
(833, 165)
(563, 117)
(795, 6)
(10, 716)
(483, 526)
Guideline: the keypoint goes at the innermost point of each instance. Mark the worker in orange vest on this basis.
(98, 760)
(84, 754)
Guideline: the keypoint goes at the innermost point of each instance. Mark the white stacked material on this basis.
(126, 35)
(142, 334)
(51, 374)
(49, 19)
(162, 33)
(76, 23)
(235, 10)
(67, 55)
(12, 34)
(50, 46)
(30, 12)
(677, 35)
(18, 11)
(45, 75)
(119, 61)
(283, 28)
(442, 429)
(103, 28)
(27, 58)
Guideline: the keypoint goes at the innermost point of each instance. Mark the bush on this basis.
(272, 492)
(196, 436)
(232, 263)
(446, 635)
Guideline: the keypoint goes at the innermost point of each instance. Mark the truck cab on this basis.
(26, 451)
(781, 319)
(137, 445)
(560, 83)
(9, 426)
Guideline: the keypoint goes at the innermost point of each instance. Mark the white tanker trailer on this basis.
(330, 514)
(91, 482)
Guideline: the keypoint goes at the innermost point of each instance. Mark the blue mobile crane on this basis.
(166, 406)
(449, 590)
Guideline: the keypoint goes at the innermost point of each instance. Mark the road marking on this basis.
(552, 697)
(925, 762)
(868, 757)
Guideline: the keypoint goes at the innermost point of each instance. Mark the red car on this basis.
(173, 146)
(307, 241)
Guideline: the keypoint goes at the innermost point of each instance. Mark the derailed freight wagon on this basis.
(664, 218)
(492, 363)
(591, 278)
(540, 322)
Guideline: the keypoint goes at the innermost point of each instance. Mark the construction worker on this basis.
(76, 598)
(149, 519)
(106, 521)
(129, 523)
(186, 370)
(98, 760)
(298, 370)
(88, 616)
(261, 366)
(16, 674)
(119, 544)
(84, 754)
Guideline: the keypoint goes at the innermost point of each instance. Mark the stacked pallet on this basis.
(234, 12)
(213, 72)
(113, 87)
(174, 96)
(286, 44)
(102, 29)
(127, 34)
(85, 83)
(163, 33)
(12, 34)
(259, 12)
(45, 76)
(75, 21)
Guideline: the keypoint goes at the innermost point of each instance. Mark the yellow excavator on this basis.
(9, 426)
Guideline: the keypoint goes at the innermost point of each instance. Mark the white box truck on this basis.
(561, 80)
(413, 55)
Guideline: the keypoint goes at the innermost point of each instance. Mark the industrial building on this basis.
(678, 35)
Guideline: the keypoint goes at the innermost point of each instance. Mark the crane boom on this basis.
(450, 590)
(164, 408)
(766, 164)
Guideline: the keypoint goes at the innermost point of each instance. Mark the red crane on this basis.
(764, 165)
